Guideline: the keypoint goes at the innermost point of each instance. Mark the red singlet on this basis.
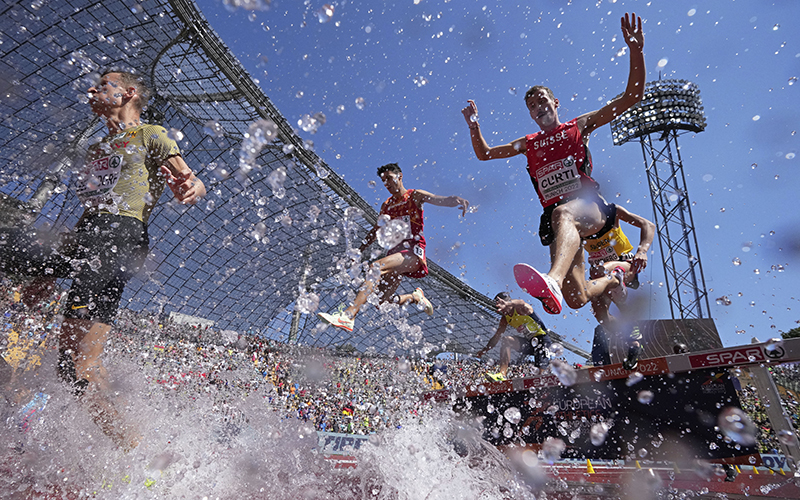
(559, 164)
(408, 211)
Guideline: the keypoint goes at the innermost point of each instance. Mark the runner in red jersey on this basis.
(407, 258)
(560, 167)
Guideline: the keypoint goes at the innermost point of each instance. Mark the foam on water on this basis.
(226, 441)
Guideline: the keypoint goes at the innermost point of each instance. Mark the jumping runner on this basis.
(560, 167)
(406, 258)
(123, 177)
(533, 339)
(611, 255)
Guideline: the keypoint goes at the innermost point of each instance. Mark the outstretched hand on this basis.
(463, 205)
(633, 32)
(470, 111)
(183, 186)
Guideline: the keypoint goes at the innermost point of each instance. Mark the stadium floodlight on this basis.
(666, 105)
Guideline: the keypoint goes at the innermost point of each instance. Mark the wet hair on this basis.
(389, 167)
(129, 79)
(536, 88)
(502, 295)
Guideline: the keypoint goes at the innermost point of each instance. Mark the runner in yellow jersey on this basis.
(611, 254)
(533, 339)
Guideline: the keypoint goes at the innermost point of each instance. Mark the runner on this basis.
(406, 258)
(611, 256)
(533, 339)
(560, 167)
(123, 178)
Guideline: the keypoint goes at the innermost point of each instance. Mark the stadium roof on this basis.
(277, 219)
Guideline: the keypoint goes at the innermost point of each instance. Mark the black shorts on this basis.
(546, 234)
(103, 253)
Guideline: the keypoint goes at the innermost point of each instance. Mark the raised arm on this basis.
(482, 150)
(421, 197)
(648, 230)
(182, 182)
(634, 37)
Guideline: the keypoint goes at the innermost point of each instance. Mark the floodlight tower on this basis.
(669, 108)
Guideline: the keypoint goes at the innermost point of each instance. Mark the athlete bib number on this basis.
(99, 178)
(419, 252)
(557, 179)
(606, 254)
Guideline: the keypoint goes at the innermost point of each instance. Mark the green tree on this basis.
(791, 334)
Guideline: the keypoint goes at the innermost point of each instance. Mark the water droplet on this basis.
(564, 371)
(598, 433)
(754, 166)
(790, 156)
(552, 449)
(723, 301)
(691, 12)
(557, 349)
(340, 109)
(403, 365)
(756, 118)
(307, 303)
(175, 134)
(512, 90)
(662, 62)
(213, 129)
(420, 81)
(489, 408)
(736, 425)
(360, 103)
(773, 344)
(645, 397)
(776, 27)
(787, 437)
(275, 180)
(634, 378)
(393, 232)
(736, 261)
(513, 415)
(325, 13)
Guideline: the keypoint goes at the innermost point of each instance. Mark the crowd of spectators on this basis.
(330, 390)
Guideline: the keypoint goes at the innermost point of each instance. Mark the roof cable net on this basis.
(277, 222)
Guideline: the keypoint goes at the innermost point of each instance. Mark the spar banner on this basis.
(660, 417)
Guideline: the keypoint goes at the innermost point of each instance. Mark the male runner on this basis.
(120, 183)
(560, 167)
(533, 339)
(405, 259)
(611, 254)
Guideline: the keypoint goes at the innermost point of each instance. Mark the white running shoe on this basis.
(339, 320)
(419, 298)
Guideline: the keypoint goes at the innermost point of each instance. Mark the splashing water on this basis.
(566, 374)
(276, 179)
(392, 233)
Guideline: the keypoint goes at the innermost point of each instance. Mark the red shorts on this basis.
(412, 247)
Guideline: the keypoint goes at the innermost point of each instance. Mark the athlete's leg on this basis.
(569, 221)
(392, 267)
(84, 340)
(509, 342)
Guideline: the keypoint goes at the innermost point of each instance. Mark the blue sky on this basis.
(415, 64)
